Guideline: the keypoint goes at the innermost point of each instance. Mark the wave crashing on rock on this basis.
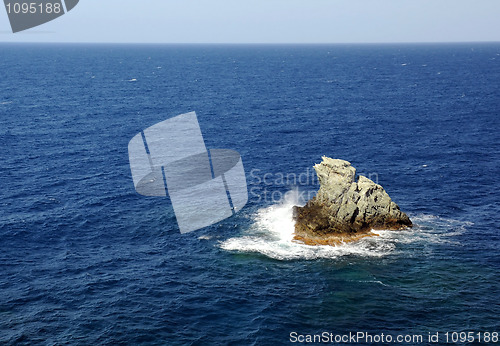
(345, 210)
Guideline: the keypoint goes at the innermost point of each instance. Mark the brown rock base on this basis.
(345, 209)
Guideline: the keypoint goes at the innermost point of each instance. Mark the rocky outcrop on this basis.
(345, 209)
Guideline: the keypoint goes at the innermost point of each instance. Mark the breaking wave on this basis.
(271, 234)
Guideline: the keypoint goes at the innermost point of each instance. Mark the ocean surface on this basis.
(86, 260)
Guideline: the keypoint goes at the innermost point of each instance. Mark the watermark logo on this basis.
(273, 187)
(30, 13)
(205, 186)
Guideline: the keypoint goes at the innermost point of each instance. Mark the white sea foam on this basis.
(272, 235)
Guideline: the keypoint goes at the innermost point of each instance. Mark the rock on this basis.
(344, 209)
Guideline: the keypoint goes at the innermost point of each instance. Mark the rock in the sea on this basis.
(344, 209)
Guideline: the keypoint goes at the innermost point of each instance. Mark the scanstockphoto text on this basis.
(361, 337)
(274, 187)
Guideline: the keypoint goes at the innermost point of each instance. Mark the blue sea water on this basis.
(86, 260)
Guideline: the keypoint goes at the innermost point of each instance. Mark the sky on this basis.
(268, 21)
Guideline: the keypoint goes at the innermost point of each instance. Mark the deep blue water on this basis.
(86, 260)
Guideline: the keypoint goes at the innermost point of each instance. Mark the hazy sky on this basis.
(268, 21)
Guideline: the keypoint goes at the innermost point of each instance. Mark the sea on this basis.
(86, 260)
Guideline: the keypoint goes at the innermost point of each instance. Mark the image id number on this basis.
(33, 8)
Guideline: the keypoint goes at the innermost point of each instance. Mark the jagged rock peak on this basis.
(345, 209)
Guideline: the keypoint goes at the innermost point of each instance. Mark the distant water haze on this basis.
(278, 21)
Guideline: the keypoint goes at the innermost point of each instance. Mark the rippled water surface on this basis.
(86, 260)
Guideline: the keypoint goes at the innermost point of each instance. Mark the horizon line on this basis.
(252, 43)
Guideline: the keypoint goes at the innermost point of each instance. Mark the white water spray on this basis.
(272, 235)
